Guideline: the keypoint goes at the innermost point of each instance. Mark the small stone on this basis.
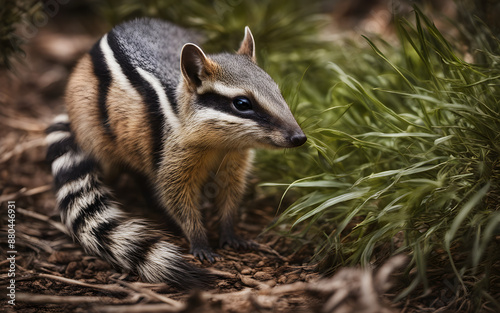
(71, 268)
(292, 278)
(303, 276)
(282, 279)
(78, 274)
(263, 276)
(238, 266)
(100, 265)
(64, 257)
(246, 271)
(102, 277)
(223, 284)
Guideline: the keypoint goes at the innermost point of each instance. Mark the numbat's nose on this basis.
(298, 139)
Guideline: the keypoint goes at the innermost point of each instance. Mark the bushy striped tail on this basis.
(101, 227)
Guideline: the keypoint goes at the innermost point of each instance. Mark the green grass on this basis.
(406, 148)
(403, 149)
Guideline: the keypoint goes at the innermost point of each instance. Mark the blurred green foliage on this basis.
(12, 15)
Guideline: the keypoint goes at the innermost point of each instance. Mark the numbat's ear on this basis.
(248, 45)
(195, 65)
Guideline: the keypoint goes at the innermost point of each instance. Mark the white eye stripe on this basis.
(221, 89)
(211, 114)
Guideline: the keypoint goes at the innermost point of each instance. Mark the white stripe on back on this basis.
(164, 103)
(116, 71)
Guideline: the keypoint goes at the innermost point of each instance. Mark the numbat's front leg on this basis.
(179, 182)
(232, 177)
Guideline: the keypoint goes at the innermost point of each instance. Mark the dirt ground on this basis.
(53, 274)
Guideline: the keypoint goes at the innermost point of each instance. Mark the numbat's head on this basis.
(228, 101)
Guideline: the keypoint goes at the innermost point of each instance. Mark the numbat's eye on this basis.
(242, 104)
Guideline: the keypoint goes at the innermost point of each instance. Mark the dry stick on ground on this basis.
(114, 288)
(220, 273)
(137, 308)
(34, 243)
(268, 249)
(44, 218)
(24, 192)
(261, 299)
(16, 121)
(133, 291)
(247, 280)
(43, 299)
(151, 294)
(20, 148)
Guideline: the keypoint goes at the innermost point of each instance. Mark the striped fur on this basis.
(145, 99)
(101, 227)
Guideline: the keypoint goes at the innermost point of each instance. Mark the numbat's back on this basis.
(145, 99)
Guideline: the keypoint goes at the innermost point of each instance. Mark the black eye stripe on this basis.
(214, 101)
(224, 104)
(243, 104)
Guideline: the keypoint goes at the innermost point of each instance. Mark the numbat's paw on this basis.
(205, 253)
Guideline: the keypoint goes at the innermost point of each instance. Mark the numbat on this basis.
(145, 100)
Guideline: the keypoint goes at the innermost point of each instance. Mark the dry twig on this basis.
(20, 148)
(151, 294)
(24, 192)
(138, 308)
(23, 123)
(115, 288)
(43, 218)
(43, 299)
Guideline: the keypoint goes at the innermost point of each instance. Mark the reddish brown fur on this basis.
(231, 179)
(127, 116)
(179, 182)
